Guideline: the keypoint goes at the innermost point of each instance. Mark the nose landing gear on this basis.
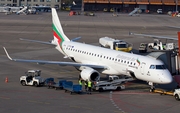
(152, 87)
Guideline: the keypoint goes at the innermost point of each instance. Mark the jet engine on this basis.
(90, 74)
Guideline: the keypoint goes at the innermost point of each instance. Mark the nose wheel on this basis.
(152, 87)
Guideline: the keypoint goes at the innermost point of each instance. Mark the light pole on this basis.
(82, 6)
(176, 5)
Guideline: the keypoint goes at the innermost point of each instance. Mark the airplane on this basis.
(92, 60)
(174, 27)
(156, 36)
(153, 36)
(159, 37)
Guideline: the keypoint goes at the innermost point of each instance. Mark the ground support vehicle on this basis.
(32, 78)
(55, 85)
(108, 87)
(178, 15)
(68, 86)
(159, 11)
(175, 93)
(113, 83)
(89, 13)
(158, 45)
(162, 92)
(118, 45)
(143, 48)
(32, 11)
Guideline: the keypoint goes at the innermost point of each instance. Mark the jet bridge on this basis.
(168, 57)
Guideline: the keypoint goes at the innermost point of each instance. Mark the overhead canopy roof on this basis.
(156, 54)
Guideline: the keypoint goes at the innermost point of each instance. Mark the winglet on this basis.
(7, 53)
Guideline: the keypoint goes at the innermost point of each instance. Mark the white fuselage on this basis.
(118, 63)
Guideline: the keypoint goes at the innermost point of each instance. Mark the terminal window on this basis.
(14, 1)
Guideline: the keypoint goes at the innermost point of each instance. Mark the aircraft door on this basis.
(142, 66)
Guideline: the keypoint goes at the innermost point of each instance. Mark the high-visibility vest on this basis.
(89, 83)
(80, 83)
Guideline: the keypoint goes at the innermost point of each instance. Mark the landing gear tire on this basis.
(177, 97)
(118, 89)
(152, 87)
(23, 83)
(151, 90)
(100, 89)
(150, 47)
(35, 84)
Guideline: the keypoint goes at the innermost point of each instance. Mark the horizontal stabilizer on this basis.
(77, 38)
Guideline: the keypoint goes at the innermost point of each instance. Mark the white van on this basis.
(159, 11)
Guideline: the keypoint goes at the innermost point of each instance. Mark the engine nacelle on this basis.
(90, 74)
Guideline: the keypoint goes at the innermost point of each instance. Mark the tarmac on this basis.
(136, 98)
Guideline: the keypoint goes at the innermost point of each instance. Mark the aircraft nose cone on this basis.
(168, 79)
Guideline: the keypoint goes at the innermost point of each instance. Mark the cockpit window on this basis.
(152, 67)
(160, 67)
(157, 67)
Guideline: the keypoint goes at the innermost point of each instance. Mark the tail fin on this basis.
(58, 32)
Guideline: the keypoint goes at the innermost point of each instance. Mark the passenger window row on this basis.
(105, 57)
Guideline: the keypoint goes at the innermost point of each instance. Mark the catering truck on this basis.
(114, 44)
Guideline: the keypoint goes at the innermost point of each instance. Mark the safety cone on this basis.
(6, 80)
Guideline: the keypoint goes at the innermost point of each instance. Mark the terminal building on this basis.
(99, 5)
(17, 3)
(129, 5)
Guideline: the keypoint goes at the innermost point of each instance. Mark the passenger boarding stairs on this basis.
(134, 11)
(23, 10)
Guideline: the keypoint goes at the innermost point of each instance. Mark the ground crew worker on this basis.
(86, 85)
(80, 81)
(89, 87)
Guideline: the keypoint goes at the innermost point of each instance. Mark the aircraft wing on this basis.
(56, 62)
(154, 36)
(174, 27)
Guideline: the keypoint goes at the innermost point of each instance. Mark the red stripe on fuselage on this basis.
(58, 37)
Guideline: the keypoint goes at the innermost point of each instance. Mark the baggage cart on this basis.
(68, 86)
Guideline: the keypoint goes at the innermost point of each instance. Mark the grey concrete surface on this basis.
(136, 98)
